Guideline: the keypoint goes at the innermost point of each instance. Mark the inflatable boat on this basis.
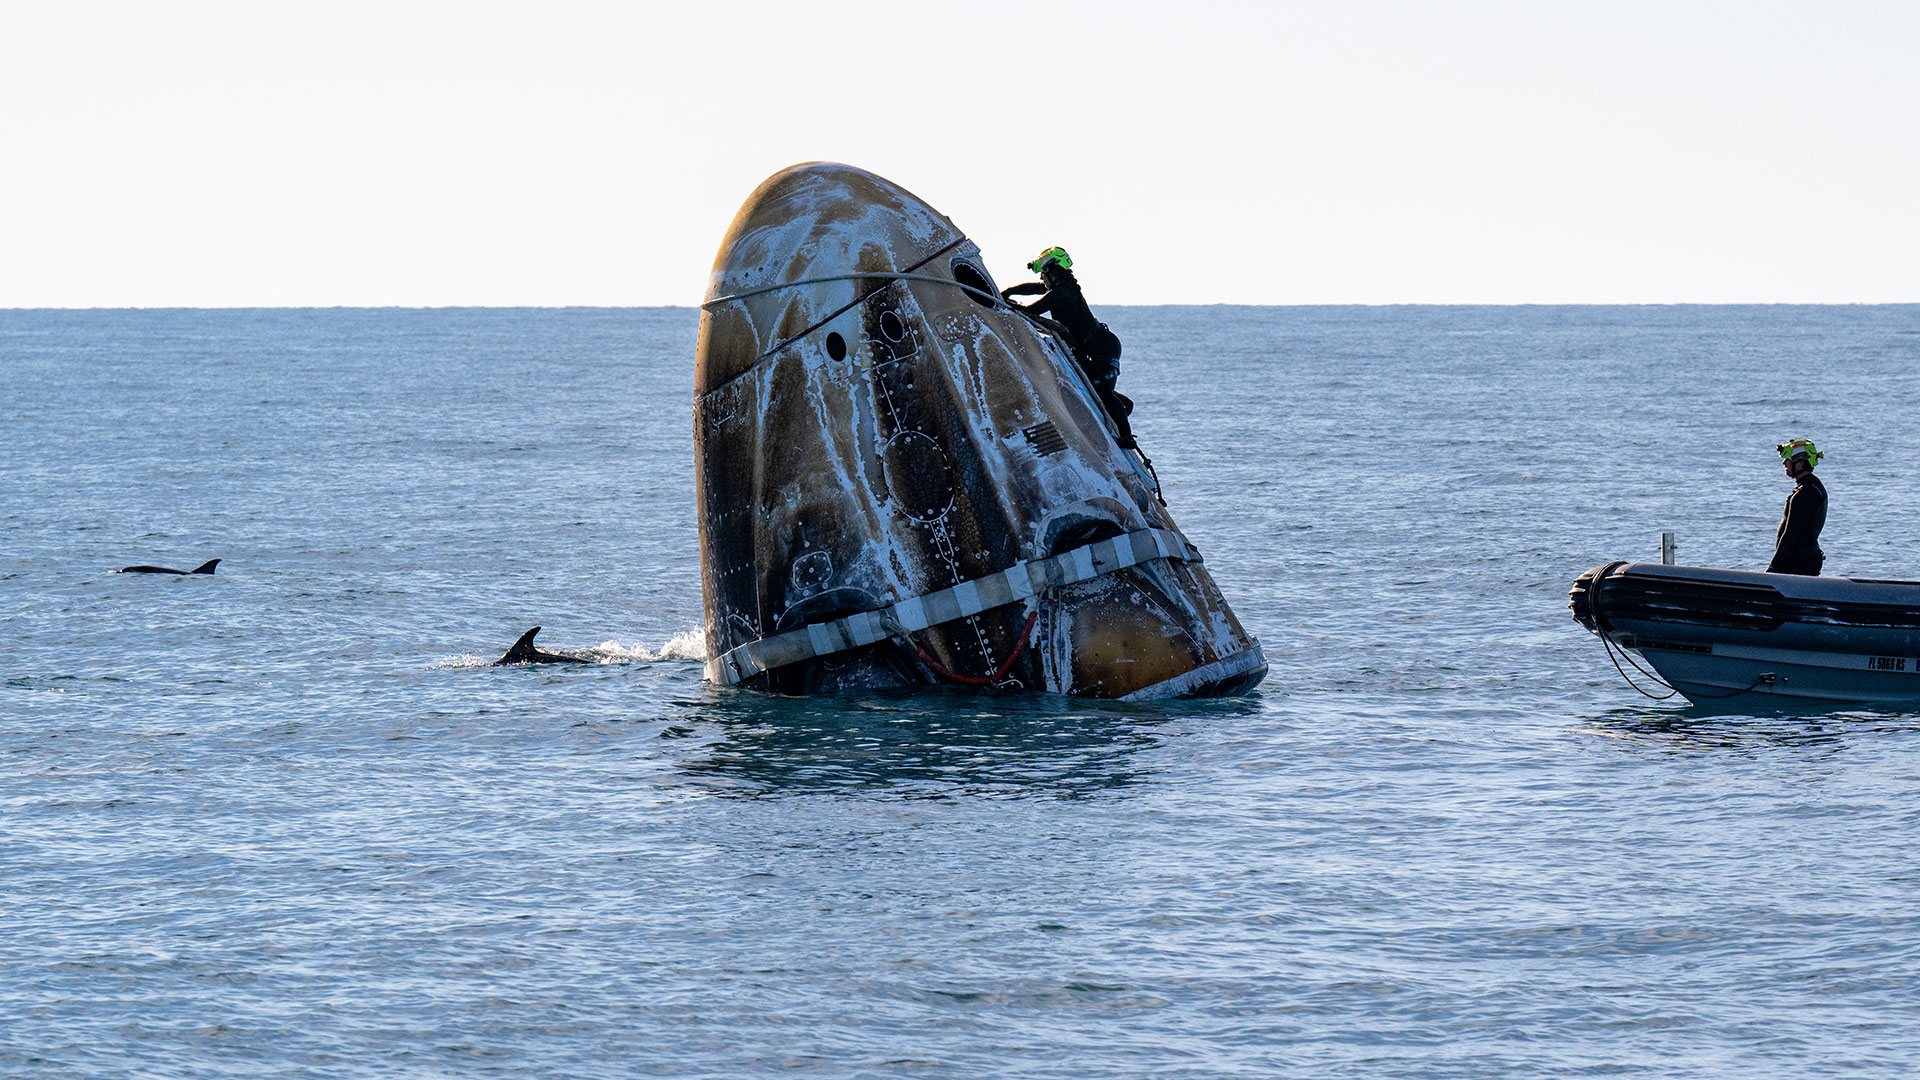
(1719, 635)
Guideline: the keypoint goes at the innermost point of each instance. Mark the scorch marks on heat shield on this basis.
(870, 432)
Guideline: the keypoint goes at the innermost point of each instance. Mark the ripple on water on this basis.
(275, 821)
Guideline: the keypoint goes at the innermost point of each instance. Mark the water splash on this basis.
(685, 645)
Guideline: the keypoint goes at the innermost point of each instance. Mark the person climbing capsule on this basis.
(1096, 347)
(1796, 547)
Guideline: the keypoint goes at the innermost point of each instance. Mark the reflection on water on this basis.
(940, 745)
(1710, 727)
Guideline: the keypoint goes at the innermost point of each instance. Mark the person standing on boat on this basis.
(1096, 347)
(1796, 544)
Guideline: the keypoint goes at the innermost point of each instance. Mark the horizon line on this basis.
(1207, 304)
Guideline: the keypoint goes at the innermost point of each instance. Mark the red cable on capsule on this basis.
(1019, 649)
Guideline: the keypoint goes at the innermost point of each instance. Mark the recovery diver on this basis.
(1796, 547)
(1096, 347)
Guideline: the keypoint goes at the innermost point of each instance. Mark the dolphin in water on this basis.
(203, 568)
(525, 652)
(905, 481)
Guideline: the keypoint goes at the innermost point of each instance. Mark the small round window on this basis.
(836, 346)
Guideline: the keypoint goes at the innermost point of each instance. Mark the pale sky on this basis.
(1381, 151)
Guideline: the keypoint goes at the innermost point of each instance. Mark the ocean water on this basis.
(281, 822)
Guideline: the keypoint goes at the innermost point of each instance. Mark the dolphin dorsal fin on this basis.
(206, 567)
(523, 651)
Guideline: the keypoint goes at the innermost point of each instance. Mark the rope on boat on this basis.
(1606, 642)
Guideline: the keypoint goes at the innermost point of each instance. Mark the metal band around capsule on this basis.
(969, 598)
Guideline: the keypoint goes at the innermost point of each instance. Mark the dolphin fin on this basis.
(523, 651)
(206, 567)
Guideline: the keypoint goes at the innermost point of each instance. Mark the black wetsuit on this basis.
(1796, 547)
(1096, 347)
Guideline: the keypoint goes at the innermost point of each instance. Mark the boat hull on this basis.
(1731, 637)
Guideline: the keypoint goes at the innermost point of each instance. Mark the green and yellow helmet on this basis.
(1800, 448)
(1050, 256)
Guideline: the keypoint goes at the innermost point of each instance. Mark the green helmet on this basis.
(1800, 448)
(1051, 255)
